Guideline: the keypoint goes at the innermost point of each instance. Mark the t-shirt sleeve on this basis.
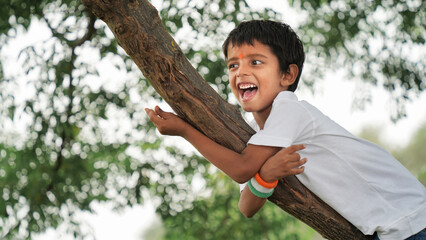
(286, 125)
(242, 186)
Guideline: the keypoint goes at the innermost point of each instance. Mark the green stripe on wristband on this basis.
(258, 193)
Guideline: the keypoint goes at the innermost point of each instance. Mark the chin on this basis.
(248, 109)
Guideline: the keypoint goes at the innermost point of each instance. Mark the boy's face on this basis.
(255, 76)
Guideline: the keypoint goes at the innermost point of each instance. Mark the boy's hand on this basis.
(284, 163)
(167, 123)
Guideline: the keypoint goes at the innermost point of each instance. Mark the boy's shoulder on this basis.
(285, 98)
(286, 95)
(287, 103)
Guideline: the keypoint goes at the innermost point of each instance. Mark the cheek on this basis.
(231, 78)
(232, 83)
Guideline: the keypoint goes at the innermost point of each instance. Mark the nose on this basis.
(243, 70)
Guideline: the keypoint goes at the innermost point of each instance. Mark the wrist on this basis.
(264, 183)
(185, 131)
(265, 176)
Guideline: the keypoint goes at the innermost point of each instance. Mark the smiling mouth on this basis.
(247, 91)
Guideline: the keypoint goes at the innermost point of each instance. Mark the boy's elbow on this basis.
(241, 180)
(248, 215)
(244, 175)
(246, 212)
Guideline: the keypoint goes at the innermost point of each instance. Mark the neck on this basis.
(261, 116)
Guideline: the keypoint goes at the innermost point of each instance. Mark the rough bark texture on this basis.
(139, 31)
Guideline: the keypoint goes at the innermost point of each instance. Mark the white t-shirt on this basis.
(357, 178)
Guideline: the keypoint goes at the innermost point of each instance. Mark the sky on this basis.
(333, 96)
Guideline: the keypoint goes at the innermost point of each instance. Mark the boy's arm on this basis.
(285, 163)
(250, 204)
(239, 166)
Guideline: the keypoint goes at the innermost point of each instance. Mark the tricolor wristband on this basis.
(259, 190)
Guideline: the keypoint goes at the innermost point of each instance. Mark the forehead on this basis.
(241, 50)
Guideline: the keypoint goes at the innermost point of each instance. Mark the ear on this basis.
(290, 76)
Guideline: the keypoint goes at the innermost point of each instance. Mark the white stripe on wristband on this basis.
(259, 187)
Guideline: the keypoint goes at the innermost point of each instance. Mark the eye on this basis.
(256, 62)
(232, 65)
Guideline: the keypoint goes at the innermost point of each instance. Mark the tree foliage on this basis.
(218, 217)
(413, 155)
(380, 42)
(86, 135)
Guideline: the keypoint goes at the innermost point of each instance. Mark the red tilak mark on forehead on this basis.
(240, 56)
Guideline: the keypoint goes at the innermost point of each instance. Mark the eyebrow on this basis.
(249, 56)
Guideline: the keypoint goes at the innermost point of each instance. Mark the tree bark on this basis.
(139, 31)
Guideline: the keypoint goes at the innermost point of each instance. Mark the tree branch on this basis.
(78, 42)
(89, 33)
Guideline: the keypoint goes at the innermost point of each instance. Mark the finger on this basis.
(302, 161)
(149, 112)
(298, 170)
(298, 163)
(294, 157)
(292, 149)
(289, 158)
(160, 112)
(295, 148)
(152, 116)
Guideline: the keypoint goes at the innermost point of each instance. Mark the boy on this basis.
(361, 181)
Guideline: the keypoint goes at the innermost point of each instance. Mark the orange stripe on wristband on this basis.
(264, 183)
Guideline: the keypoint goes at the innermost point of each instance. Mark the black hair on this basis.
(282, 40)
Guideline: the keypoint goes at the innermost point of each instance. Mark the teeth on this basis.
(246, 86)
